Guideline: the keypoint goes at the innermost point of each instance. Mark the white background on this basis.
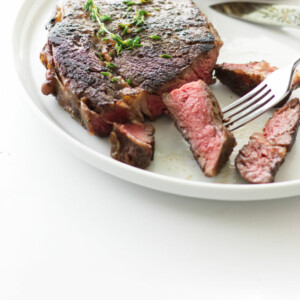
(70, 231)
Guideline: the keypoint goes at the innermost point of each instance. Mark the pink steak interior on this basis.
(193, 116)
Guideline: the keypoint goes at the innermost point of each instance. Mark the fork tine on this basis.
(245, 98)
(251, 109)
(255, 114)
(250, 103)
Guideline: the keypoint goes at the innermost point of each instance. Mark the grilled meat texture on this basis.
(281, 129)
(75, 57)
(133, 143)
(242, 78)
(260, 159)
(198, 117)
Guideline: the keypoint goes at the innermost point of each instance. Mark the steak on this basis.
(99, 86)
(133, 143)
(260, 159)
(242, 78)
(281, 129)
(198, 117)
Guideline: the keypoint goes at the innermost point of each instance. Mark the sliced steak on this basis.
(198, 117)
(242, 78)
(133, 143)
(259, 160)
(75, 56)
(281, 129)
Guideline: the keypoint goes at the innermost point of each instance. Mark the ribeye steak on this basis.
(77, 59)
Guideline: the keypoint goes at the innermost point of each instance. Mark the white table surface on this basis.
(70, 231)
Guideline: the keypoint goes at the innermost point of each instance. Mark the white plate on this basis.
(173, 169)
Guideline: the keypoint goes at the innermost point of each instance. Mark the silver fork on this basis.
(266, 95)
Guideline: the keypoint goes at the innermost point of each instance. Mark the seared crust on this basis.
(242, 78)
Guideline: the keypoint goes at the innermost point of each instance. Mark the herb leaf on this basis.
(105, 18)
(110, 65)
(121, 44)
(165, 56)
(105, 74)
(129, 3)
(154, 37)
(139, 19)
(139, 29)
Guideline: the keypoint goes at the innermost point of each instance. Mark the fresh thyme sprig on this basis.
(139, 19)
(121, 44)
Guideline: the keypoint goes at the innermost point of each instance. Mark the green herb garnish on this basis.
(114, 79)
(94, 11)
(165, 56)
(129, 3)
(104, 18)
(139, 19)
(105, 74)
(120, 43)
(125, 28)
(154, 37)
(110, 65)
(128, 81)
(139, 29)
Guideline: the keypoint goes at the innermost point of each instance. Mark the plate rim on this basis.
(167, 184)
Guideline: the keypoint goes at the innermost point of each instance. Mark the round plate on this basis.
(173, 169)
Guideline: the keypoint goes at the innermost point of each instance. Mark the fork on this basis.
(271, 91)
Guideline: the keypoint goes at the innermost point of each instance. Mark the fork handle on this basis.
(293, 68)
(297, 62)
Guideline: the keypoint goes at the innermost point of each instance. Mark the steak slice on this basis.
(242, 78)
(281, 129)
(259, 160)
(133, 143)
(75, 56)
(198, 117)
